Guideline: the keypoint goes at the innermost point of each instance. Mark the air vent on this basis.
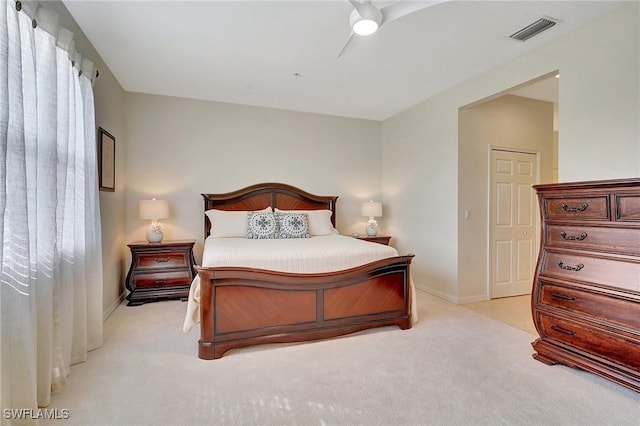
(531, 30)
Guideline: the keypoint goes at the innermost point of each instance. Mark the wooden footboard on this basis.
(242, 306)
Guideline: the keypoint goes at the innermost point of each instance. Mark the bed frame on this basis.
(244, 306)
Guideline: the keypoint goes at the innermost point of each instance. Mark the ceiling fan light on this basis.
(365, 27)
(366, 20)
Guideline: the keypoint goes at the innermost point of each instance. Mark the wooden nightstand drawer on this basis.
(603, 307)
(595, 208)
(162, 260)
(162, 279)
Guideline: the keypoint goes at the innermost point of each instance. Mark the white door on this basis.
(512, 222)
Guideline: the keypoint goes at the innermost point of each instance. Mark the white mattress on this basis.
(303, 255)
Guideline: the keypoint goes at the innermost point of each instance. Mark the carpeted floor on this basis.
(455, 367)
(515, 311)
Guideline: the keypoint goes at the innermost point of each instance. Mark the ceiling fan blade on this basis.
(402, 8)
(349, 40)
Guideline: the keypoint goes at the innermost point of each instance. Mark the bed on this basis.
(242, 301)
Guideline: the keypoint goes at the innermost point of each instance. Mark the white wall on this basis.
(181, 148)
(598, 130)
(599, 110)
(419, 185)
(109, 102)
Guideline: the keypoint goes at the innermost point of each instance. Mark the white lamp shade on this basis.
(372, 209)
(154, 209)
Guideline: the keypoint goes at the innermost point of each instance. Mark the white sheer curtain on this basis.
(50, 244)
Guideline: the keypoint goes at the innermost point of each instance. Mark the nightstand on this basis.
(380, 239)
(160, 270)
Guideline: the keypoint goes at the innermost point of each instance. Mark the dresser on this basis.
(160, 270)
(586, 291)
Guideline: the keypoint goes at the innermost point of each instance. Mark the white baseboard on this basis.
(113, 306)
(450, 298)
(437, 293)
(471, 299)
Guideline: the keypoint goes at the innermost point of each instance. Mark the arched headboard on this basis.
(262, 195)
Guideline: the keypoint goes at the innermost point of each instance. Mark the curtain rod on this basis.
(31, 8)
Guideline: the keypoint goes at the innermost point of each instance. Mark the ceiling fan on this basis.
(366, 18)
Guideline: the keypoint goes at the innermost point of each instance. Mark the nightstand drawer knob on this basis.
(161, 281)
(162, 259)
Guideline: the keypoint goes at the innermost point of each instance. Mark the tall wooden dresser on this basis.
(586, 291)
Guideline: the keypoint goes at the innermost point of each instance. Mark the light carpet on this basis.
(454, 367)
(515, 311)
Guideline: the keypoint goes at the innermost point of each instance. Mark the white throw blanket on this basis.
(303, 255)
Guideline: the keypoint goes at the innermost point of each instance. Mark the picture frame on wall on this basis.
(106, 161)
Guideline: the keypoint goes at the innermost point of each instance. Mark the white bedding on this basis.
(304, 255)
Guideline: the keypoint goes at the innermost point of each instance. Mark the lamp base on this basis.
(372, 230)
(154, 236)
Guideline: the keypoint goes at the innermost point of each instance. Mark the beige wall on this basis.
(181, 148)
(109, 99)
(109, 105)
(599, 109)
(169, 147)
(506, 122)
(598, 137)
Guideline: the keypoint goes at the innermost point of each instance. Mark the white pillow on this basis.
(319, 221)
(229, 224)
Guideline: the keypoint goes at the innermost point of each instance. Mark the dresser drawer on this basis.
(606, 308)
(161, 260)
(583, 208)
(162, 279)
(615, 240)
(615, 273)
(610, 346)
(628, 208)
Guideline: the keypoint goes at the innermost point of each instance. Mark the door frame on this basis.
(536, 208)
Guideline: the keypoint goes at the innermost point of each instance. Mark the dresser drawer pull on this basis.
(562, 330)
(162, 259)
(562, 296)
(579, 266)
(568, 237)
(568, 209)
(161, 281)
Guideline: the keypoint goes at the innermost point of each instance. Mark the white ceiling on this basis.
(247, 52)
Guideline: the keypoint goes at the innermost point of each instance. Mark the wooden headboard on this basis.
(262, 195)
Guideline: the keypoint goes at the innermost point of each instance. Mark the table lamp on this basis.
(372, 209)
(153, 210)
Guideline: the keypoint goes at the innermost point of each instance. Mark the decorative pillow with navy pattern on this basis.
(293, 225)
(261, 225)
